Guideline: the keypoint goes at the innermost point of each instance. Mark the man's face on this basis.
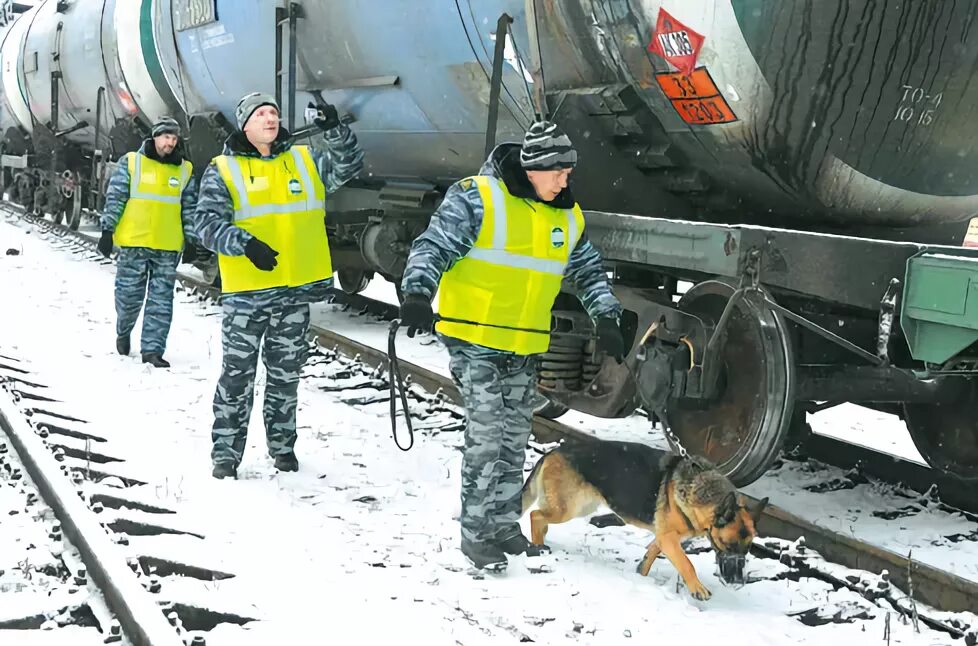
(165, 144)
(262, 126)
(549, 183)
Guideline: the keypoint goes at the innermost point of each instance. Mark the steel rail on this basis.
(140, 617)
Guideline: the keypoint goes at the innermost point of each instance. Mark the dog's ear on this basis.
(726, 510)
(755, 513)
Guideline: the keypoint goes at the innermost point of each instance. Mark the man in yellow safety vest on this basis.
(262, 211)
(497, 250)
(148, 207)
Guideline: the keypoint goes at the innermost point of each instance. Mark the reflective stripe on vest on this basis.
(152, 217)
(513, 272)
(281, 202)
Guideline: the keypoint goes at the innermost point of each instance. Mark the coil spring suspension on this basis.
(568, 364)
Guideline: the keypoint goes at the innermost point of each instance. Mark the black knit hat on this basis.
(547, 147)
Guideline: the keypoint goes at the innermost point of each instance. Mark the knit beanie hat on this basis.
(166, 126)
(249, 103)
(547, 147)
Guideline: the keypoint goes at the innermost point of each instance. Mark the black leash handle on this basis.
(395, 376)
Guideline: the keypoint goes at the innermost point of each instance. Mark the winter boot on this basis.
(519, 544)
(485, 556)
(225, 470)
(155, 359)
(122, 345)
(286, 462)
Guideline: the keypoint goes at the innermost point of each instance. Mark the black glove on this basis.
(327, 118)
(610, 340)
(261, 255)
(416, 314)
(105, 244)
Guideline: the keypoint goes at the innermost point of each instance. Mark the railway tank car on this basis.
(807, 165)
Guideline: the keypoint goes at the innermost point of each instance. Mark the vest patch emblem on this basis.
(557, 237)
(173, 182)
(295, 186)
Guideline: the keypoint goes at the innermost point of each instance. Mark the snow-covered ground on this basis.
(360, 546)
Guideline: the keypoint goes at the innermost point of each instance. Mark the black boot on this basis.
(225, 470)
(519, 544)
(286, 462)
(486, 556)
(155, 359)
(122, 345)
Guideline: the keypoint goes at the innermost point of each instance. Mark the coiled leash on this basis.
(395, 368)
(395, 376)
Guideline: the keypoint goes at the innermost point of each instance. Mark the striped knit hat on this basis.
(249, 103)
(547, 147)
(166, 126)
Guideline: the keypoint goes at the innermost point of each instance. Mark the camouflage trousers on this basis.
(280, 333)
(136, 269)
(499, 392)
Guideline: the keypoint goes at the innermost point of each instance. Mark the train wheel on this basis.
(743, 430)
(70, 202)
(946, 435)
(73, 211)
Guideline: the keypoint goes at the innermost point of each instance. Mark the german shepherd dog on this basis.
(673, 497)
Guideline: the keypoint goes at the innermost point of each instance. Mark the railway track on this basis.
(809, 550)
(85, 550)
(98, 567)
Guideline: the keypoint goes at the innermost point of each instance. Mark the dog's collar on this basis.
(692, 528)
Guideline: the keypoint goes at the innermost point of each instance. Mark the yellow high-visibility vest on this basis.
(513, 272)
(151, 218)
(282, 202)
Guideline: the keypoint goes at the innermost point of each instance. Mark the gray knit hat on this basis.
(547, 147)
(249, 103)
(166, 126)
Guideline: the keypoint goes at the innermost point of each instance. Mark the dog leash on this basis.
(395, 369)
(395, 377)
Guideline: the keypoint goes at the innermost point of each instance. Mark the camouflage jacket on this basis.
(214, 217)
(455, 226)
(117, 193)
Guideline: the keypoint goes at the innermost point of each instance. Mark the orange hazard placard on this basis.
(698, 85)
(713, 110)
(696, 97)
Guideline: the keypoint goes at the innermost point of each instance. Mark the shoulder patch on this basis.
(466, 183)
